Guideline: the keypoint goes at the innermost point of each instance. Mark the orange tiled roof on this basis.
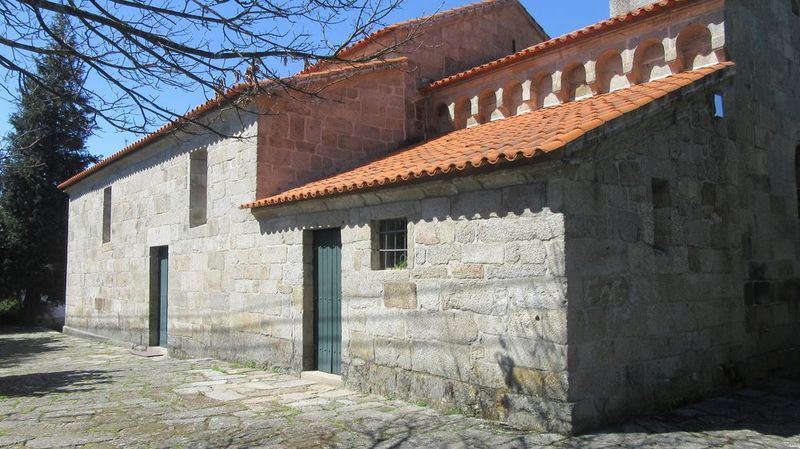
(233, 92)
(481, 5)
(584, 33)
(512, 139)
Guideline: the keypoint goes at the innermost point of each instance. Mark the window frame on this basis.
(198, 187)
(718, 105)
(107, 214)
(390, 244)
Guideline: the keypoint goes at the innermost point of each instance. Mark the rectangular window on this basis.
(392, 244)
(662, 214)
(198, 187)
(719, 105)
(107, 214)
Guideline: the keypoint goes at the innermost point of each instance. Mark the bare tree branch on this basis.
(133, 49)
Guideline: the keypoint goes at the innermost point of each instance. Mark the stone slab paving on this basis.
(61, 391)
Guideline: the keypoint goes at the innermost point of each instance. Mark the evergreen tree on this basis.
(46, 146)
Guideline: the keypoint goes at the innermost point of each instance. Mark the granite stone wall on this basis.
(765, 125)
(653, 258)
(652, 262)
(663, 223)
(477, 321)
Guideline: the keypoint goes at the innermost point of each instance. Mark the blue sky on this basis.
(556, 17)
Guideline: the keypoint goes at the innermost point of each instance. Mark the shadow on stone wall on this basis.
(41, 384)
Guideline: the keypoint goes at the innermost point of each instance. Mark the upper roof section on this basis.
(434, 46)
(453, 40)
(514, 139)
(646, 44)
(328, 75)
(592, 33)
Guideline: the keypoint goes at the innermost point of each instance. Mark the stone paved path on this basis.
(58, 391)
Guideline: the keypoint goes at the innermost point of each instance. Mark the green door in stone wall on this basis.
(328, 300)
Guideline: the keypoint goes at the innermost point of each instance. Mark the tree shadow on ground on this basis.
(41, 384)
(18, 345)
(773, 409)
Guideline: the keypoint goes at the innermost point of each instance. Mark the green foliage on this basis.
(45, 147)
(10, 310)
(401, 265)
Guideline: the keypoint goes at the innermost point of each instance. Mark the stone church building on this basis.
(552, 232)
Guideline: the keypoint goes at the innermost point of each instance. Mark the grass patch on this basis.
(453, 411)
(4, 398)
(422, 403)
(246, 364)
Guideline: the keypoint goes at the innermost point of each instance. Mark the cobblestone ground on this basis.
(58, 391)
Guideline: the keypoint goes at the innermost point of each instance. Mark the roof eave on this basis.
(621, 122)
(231, 95)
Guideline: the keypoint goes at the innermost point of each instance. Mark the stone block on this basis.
(466, 231)
(528, 198)
(515, 271)
(428, 294)
(489, 374)
(466, 271)
(542, 384)
(477, 204)
(393, 352)
(512, 352)
(442, 254)
(504, 230)
(435, 272)
(474, 296)
(482, 253)
(425, 233)
(547, 325)
(532, 252)
(435, 208)
(361, 346)
(386, 323)
(584, 199)
(604, 292)
(537, 414)
(441, 359)
(400, 295)
(448, 326)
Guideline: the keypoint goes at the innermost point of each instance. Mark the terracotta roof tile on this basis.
(520, 137)
(558, 42)
(338, 71)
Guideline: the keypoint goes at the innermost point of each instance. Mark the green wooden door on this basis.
(163, 284)
(328, 300)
